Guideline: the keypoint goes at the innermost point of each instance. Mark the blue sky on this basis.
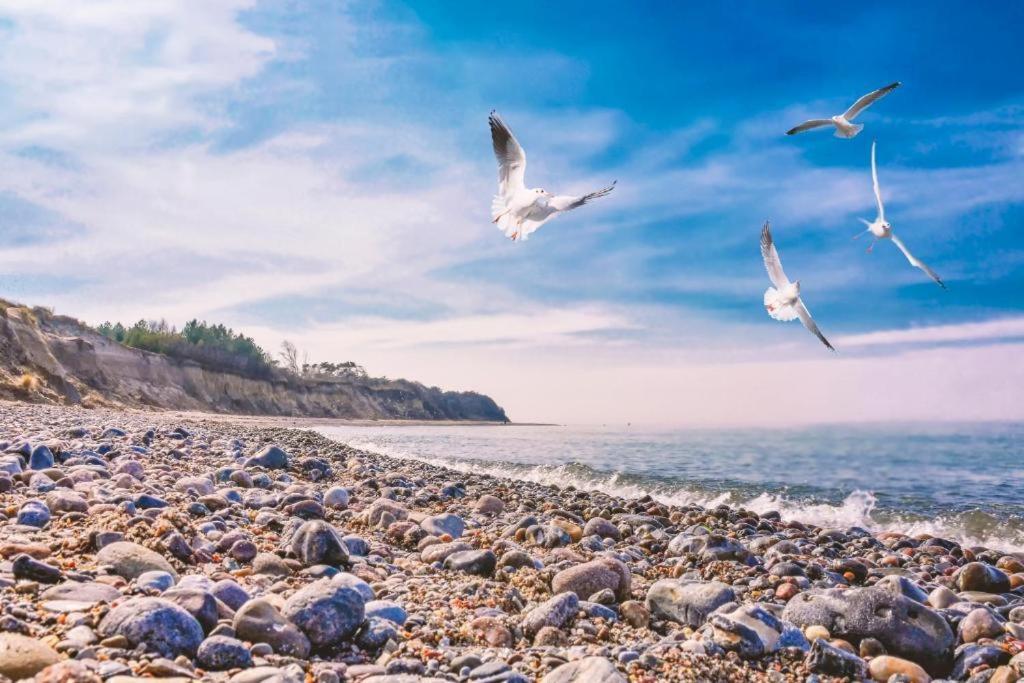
(322, 172)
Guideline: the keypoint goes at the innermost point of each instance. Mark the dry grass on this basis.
(28, 383)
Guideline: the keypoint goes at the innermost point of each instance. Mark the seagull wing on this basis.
(510, 155)
(808, 125)
(869, 99)
(771, 259)
(874, 183)
(808, 321)
(916, 262)
(564, 202)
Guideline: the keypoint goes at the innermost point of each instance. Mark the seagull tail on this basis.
(776, 306)
(852, 133)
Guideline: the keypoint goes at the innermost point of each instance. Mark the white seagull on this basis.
(518, 210)
(881, 229)
(842, 122)
(783, 300)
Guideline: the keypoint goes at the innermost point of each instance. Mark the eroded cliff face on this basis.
(57, 359)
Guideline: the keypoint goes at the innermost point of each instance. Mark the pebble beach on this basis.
(138, 546)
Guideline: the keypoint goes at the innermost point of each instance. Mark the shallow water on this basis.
(961, 481)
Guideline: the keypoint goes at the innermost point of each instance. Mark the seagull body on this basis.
(518, 210)
(845, 128)
(881, 229)
(783, 300)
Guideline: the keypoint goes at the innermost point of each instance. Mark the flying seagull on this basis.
(518, 210)
(783, 300)
(881, 229)
(845, 129)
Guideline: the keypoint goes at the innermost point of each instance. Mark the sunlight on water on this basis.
(960, 481)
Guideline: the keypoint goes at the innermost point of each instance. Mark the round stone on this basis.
(159, 625)
(327, 612)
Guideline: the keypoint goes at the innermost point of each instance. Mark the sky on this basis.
(322, 172)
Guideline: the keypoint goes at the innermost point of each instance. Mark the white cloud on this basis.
(1003, 328)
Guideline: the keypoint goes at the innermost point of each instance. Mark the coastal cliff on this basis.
(57, 359)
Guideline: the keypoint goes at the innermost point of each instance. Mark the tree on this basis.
(290, 357)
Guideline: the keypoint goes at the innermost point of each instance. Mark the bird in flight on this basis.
(783, 301)
(881, 229)
(518, 210)
(842, 122)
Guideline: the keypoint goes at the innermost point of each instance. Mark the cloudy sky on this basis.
(322, 172)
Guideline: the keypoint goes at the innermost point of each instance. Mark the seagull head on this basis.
(543, 193)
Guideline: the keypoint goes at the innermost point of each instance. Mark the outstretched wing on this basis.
(874, 183)
(808, 321)
(510, 155)
(916, 262)
(771, 259)
(564, 202)
(808, 125)
(869, 99)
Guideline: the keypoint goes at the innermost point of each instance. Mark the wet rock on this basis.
(587, 579)
(906, 628)
(556, 612)
(130, 560)
(833, 661)
(478, 562)
(972, 656)
(316, 542)
(328, 613)
(885, 667)
(685, 602)
(219, 653)
(158, 624)
(941, 598)
(586, 670)
(901, 585)
(979, 623)
(258, 621)
(24, 657)
(978, 576)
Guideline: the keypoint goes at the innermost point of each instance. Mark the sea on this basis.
(959, 481)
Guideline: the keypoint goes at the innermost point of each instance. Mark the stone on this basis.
(884, 667)
(635, 614)
(906, 628)
(979, 623)
(490, 505)
(447, 523)
(901, 585)
(24, 657)
(375, 633)
(590, 577)
(200, 485)
(155, 580)
(941, 597)
(258, 621)
(599, 526)
(439, 552)
(353, 581)
(219, 653)
(385, 609)
(197, 602)
(159, 625)
(687, 603)
(64, 500)
(91, 592)
(270, 564)
(336, 497)
(555, 611)
(67, 671)
(230, 593)
(477, 562)
(383, 506)
(34, 513)
(41, 458)
(983, 578)
(491, 631)
(833, 661)
(970, 656)
(752, 632)
(328, 613)
(271, 458)
(131, 560)
(316, 542)
(26, 567)
(586, 670)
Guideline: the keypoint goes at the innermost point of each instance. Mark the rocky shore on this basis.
(138, 546)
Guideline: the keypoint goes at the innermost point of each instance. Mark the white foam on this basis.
(858, 509)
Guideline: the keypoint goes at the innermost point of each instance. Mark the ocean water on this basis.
(960, 481)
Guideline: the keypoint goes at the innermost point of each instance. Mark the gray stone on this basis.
(478, 562)
(155, 580)
(599, 526)
(34, 513)
(901, 585)
(336, 497)
(906, 628)
(230, 593)
(219, 653)
(591, 577)
(259, 622)
(328, 613)
(752, 632)
(555, 611)
(271, 457)
(64, 500)
(159, 625)
(131, 560)
(197, 602)
(586, 670)
(353, 581)
(447, 523)
(979, 623)
(41, 458)
(24, 657)
(834, 661)
(92, 592)
(385, 609)
(270, 564)
(316, 542)
(685, 602)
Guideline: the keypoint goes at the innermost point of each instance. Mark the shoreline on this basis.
(474, 575)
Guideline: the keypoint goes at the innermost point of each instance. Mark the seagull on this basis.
(783, 300)
(881, 229)
(518, 210)
(845, 129)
